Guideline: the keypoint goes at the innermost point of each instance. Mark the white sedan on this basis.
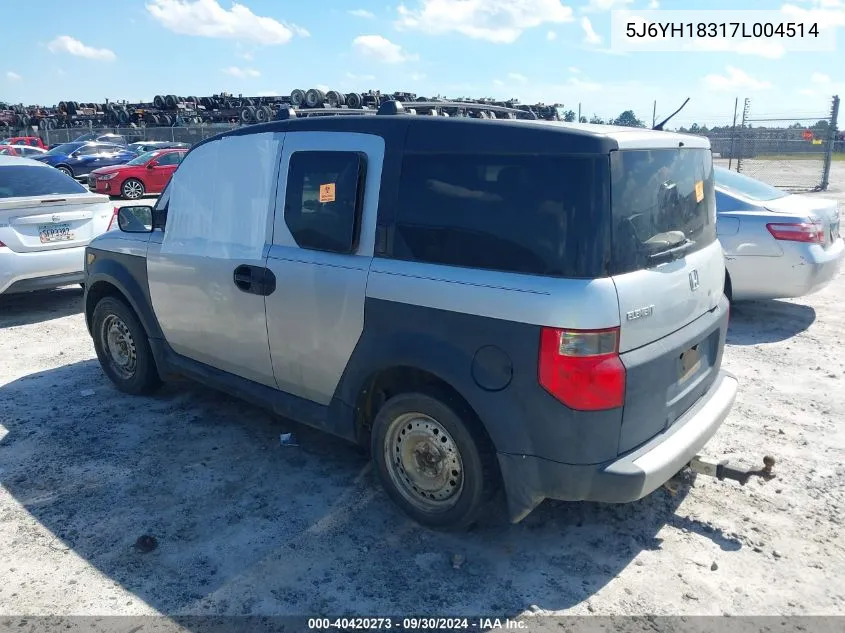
(46, 221)
(776, 244)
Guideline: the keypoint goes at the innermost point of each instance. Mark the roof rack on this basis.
(395, 107)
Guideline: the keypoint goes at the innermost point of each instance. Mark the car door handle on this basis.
(255, 279)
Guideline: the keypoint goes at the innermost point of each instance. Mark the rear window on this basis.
(25, 180)
(543, 215)
(663, 206)
(732, 182)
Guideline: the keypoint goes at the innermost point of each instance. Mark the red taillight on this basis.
(811, 232)
(113, 220)
(582, 368)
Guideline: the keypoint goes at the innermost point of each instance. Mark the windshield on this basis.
(26, 180)
(87, 137)
(143, 159)
(64, 148)
(663, 204)
(734, 182)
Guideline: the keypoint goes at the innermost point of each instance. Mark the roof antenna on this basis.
(660, 125)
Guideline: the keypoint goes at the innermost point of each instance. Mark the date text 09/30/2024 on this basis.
(415, 624)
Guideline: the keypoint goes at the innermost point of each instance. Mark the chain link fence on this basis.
(790, 152)
(180, 134)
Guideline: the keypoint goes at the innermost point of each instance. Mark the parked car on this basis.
(776, 244)
(148, 146)
(26, 151)
(46, 220)
(148, 173)
(458, 306)
(79, 158)
(31, 141)
(115, 139)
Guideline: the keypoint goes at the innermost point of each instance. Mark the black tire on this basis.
(170, 102)
(158, 102)
(65, 170)
(132, 189)
(297, 97)
(471, 476)
(335, 99)
(166, 120)
(315, 98)
(353, 100)
(138, 377)
(260, 114)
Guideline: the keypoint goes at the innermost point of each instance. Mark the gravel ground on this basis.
(247, 526)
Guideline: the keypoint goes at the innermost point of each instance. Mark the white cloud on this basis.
(246, 56)
(362, 13)
(574, 70)
(605, 5)
(590, 35)
(807, 92)
(13, 76)
(827, 13)
(71, 46)
(551, 36)
(206, 18)
(582, 85)
(733, 79)
(653, 4)
(382, 49)
(354, 77)
(268, 93)
(820, 78)
(241, 73)
(518, 78)
(758, 48)
(497, 21)
(418, 76)
(498, 82)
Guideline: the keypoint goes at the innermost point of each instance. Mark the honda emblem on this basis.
(693, 280)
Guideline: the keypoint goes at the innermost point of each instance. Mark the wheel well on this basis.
(728, 286)
(96, 293)
(383, 385)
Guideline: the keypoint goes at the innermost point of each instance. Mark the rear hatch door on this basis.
(668, 269)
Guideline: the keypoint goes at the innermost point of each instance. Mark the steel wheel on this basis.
(132, 189)
(424, 462)
(118, 341)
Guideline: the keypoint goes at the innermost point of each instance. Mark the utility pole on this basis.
(579, 112)
(654, 114)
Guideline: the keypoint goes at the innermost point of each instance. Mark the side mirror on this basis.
(152, 164)
(135, 219)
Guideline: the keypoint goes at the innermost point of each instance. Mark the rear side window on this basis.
(543, 215)
(171, 158)
(663, 203)
(323, 199)
(24, 180)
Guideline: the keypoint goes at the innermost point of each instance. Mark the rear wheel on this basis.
(123, 348)
(430, 462)
(132, 189)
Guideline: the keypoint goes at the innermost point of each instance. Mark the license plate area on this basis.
(55, 232)
(689, 363)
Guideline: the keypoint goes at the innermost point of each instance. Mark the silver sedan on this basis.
(776, 244)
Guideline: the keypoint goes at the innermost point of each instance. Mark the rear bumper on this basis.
(800, 271)
(529, 480)
(22, 272)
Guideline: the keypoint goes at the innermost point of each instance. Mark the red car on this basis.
(149, 173)
(32, 141)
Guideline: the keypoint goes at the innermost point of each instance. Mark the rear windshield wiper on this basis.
(673, 253)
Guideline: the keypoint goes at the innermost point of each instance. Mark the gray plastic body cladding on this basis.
(128, 273)
(528, 480)
(653, 398)
(520, 417)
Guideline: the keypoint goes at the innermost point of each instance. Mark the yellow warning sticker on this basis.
(327, 192)
(699, 191)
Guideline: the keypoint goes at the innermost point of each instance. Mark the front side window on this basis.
(542, 215)
(170, 159)
(143, 159)
(323, 199)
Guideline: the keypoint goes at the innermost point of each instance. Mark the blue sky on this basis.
(536, 50)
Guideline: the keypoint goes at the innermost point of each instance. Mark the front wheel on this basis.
(132, 189)
(123, 348)
(65, 170)
(431, 464)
